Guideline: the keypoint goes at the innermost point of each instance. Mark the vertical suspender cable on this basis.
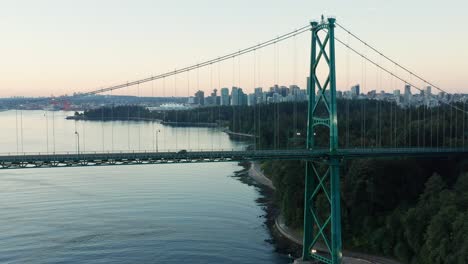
(153, 131)
(22, 133)
(176, 111)
(463, 130)
(128, 126)
(279, 103)
(424, 126)
(214, 103)
(418, 125)
(365, 104)
(456, 127)
(347, 121)
(47, 131)
(112, 120)
(241, 99)
(377, 110)
(438, 124)
(198, 109)
(443, 126)
(53, 128)
(410, 121)
(391, 124)
(261, 106)
(451, 128)
(382, 104)
(431, 113)
(362, 104)
(389, 139)
(165, 112)
(232, 96)
(254, 123)
(276, 103)
(295, 95)
(376, 122)
(83, 129)
(17, 131)
(347, 87)
(139, 117)
(102, 126)
(76, 138)
(220, 102)
(188, 112)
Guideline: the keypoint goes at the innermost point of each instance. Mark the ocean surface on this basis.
(171, 213)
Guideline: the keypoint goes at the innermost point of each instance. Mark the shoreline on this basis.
(238, 134)
(281, 242)
(289, 241)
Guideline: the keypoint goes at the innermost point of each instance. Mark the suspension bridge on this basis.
(414, 137)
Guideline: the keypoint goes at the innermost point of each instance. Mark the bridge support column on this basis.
(335, 211)
(322, 210)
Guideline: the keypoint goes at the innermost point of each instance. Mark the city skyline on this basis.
(59, 47)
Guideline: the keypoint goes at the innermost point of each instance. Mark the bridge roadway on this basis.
(38, 160)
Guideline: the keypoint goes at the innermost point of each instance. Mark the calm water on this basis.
(185, 213)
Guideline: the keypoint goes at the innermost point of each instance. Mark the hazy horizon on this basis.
(62, 47)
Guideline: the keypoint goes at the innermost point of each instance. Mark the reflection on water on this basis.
(46, 131)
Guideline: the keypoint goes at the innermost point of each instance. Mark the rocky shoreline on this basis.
(267, 200)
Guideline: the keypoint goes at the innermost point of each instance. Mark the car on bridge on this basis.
(183, 151)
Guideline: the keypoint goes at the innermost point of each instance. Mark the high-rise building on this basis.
(234, 96)
(214, 97)
(225, 96)
(200, 98)
(243, 98)
(428, 91)
(355, 90)
(265, 97)
(294, 89)
(258, 91)
(251, 100)
(427, 96)
(407, 94)
(283, 90)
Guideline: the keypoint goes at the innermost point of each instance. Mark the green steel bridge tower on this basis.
(317, 175)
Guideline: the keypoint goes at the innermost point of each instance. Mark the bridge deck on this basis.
(16, 161)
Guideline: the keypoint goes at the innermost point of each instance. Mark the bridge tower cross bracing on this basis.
(317, 175)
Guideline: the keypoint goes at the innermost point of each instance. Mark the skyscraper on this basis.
(234, 96)
(251, 100)
(407, 94)
(200, 98)
(224, 96)
(355, 90)
(242, 97)
(428, 90)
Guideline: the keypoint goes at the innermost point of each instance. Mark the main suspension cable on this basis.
(205, 63)
(394, 75)
(392, 61)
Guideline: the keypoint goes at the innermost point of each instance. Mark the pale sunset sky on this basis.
(56, 47)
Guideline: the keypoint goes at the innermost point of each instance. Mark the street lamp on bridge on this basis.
(78, 142)
(156, 133)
